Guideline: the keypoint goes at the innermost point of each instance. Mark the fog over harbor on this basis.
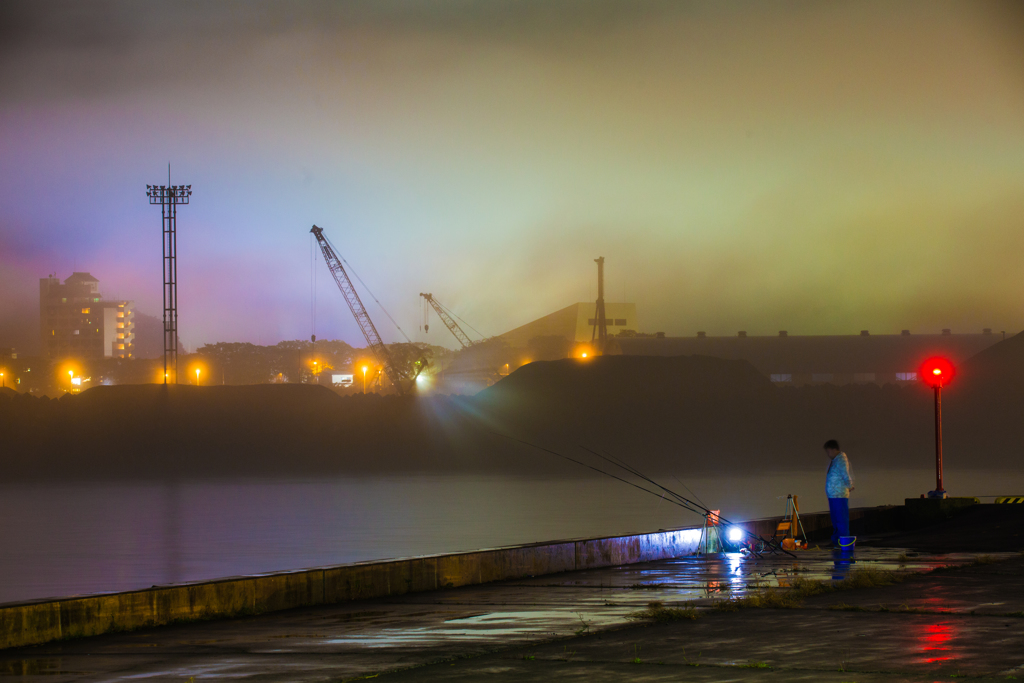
(303, 284)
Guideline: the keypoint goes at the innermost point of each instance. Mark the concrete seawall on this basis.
(40, 621)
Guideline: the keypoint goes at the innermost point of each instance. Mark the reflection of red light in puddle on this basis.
(936, 642)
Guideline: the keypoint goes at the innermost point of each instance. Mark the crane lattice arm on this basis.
(448, 321)
(355, 304)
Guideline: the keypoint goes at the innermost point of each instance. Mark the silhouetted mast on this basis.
(600, 334)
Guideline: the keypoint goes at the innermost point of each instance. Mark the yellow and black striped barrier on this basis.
(1010, 499)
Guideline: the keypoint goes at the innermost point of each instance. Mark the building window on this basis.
(906, 376)
(120, 326)
(620, 321)
(75, 332)
(85, 311)
(120, 314)
(64, 301)
(784, 377)
(120, 335)
(120, 346)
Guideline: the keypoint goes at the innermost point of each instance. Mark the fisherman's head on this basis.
(832, 448)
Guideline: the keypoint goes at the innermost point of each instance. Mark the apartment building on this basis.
(77, 322)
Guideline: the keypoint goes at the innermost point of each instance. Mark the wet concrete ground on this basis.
(963, 621)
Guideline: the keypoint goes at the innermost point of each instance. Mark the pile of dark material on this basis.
(665, 414)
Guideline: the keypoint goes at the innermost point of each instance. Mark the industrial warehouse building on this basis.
(785, 359)
(825, 359)
(76, 321)
(575, 323)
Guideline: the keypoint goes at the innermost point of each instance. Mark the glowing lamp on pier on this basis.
(937, 372)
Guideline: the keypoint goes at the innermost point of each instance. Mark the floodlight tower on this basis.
(168, 197)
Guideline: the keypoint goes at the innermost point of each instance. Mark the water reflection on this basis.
(843, 560)
(173, 572)
(935, 642)
(71, 538)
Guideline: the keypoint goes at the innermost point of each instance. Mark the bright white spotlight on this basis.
(735, 534)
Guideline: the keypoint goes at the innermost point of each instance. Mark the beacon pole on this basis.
(939, 488)
(936, 372)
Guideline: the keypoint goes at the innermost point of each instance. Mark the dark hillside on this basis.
(144, 430)
(998, 370)
(668, 414)
(705, 413)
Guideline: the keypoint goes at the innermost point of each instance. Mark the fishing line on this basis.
(688, 489)
(703, 510)
(589, 467)
(686, 503)
(706, 510)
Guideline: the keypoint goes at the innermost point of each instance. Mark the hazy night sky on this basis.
(819, 167)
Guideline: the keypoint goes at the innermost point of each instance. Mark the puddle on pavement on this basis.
(51, 666)
(622, 591)
(527, 624)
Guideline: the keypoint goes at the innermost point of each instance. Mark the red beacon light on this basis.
(936, 372)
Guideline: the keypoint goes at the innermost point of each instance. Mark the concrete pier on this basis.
(41, 621)
(936, 610)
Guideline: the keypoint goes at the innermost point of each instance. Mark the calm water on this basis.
(58, 540)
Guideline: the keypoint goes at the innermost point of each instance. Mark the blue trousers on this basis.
(839, 508)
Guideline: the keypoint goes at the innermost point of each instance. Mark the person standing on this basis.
(838, 484)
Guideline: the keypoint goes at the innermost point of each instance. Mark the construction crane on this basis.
(398, 376)
(448, 321)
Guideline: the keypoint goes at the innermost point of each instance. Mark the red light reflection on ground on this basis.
(935, 642)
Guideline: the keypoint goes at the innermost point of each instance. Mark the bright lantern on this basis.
(937, 372)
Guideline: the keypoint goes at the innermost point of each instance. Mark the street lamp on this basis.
(3, 380)
(935, 372)
(364, 379)
(316, 373)
(197, 377)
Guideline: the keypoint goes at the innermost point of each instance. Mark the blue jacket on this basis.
(840, 479)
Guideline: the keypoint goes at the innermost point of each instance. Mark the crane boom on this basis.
(355, 304)
(448, 321)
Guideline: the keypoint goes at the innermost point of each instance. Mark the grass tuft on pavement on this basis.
(657, 611)
(793, 597)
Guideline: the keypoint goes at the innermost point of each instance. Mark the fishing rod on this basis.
(591, 467)
(681, 501)
(706, 510)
